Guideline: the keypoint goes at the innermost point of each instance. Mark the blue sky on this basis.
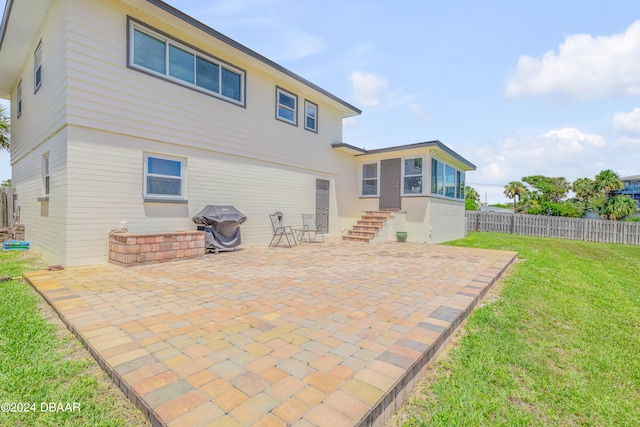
(517, 88)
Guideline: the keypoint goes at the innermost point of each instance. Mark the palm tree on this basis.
(618, 207)
(584, 188)
(607, 181)
(514, 190)
(4, 130)
(471, 193)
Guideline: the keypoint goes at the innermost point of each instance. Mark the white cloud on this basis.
(368, 89)
(564, 152)
(420, 112)
(583, 67)
(627, 124)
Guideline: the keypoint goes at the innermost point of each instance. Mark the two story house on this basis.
(130, 113)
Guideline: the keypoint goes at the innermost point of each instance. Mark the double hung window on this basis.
(46, 174)
(19, 98)
(287, 107)
(412, 176)
(153, 52)
(370, 179)
(37, 68)
(311, 116)
(163, 176)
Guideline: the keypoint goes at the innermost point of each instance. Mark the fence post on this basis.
(624, 233)
(548, 225)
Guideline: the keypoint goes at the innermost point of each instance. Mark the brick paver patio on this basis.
(328, 334)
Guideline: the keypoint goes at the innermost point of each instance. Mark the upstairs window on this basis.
(19, 98)
(153, 52)
(163, 176)
(310, 116)
(287, 107)
(37, 68)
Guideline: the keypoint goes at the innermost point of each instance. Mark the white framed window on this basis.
(19, 98)
(37, 67)
(286, 106)
(46, 173)
(310, 116)
(369, 180)
(412, 176)
(152, 52)
(446, 180)
(163, 176)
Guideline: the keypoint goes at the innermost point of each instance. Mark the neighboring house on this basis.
(129, 112)
(631, 187)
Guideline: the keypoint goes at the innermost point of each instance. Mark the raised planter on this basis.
(129, 249)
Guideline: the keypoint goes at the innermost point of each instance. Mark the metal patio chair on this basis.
(280, 230)
(309, 226)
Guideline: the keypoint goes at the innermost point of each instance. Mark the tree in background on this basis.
(585, 189)
(4, 130)
(607, 181)
(548, 188)
(514, 190)
(471, 198)
(618, 207)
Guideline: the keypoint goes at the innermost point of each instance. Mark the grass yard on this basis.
(559, 346)
(41, 364)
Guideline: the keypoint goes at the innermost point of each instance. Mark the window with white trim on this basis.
(412, 176)
(46, 173)
(19, 98)
(446, 180)
(287, 106)
(369, 179)
(163, 177)
(310, 116)
(37, 67)
(152, 52)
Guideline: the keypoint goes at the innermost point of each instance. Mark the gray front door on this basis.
(390, 184)
(322, 204)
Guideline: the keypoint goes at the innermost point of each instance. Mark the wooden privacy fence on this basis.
(591, 230)
(8, 207)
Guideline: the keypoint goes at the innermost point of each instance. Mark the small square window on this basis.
(287, 105)
(310, 116)
(163, 176)
(37, 67)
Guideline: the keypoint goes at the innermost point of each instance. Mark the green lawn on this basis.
(559, 347)
(42, 363)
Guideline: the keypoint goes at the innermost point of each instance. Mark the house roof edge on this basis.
(203, 27)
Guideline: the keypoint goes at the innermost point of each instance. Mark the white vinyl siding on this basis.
(153, 52)
(310, 116)
(287, 106)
